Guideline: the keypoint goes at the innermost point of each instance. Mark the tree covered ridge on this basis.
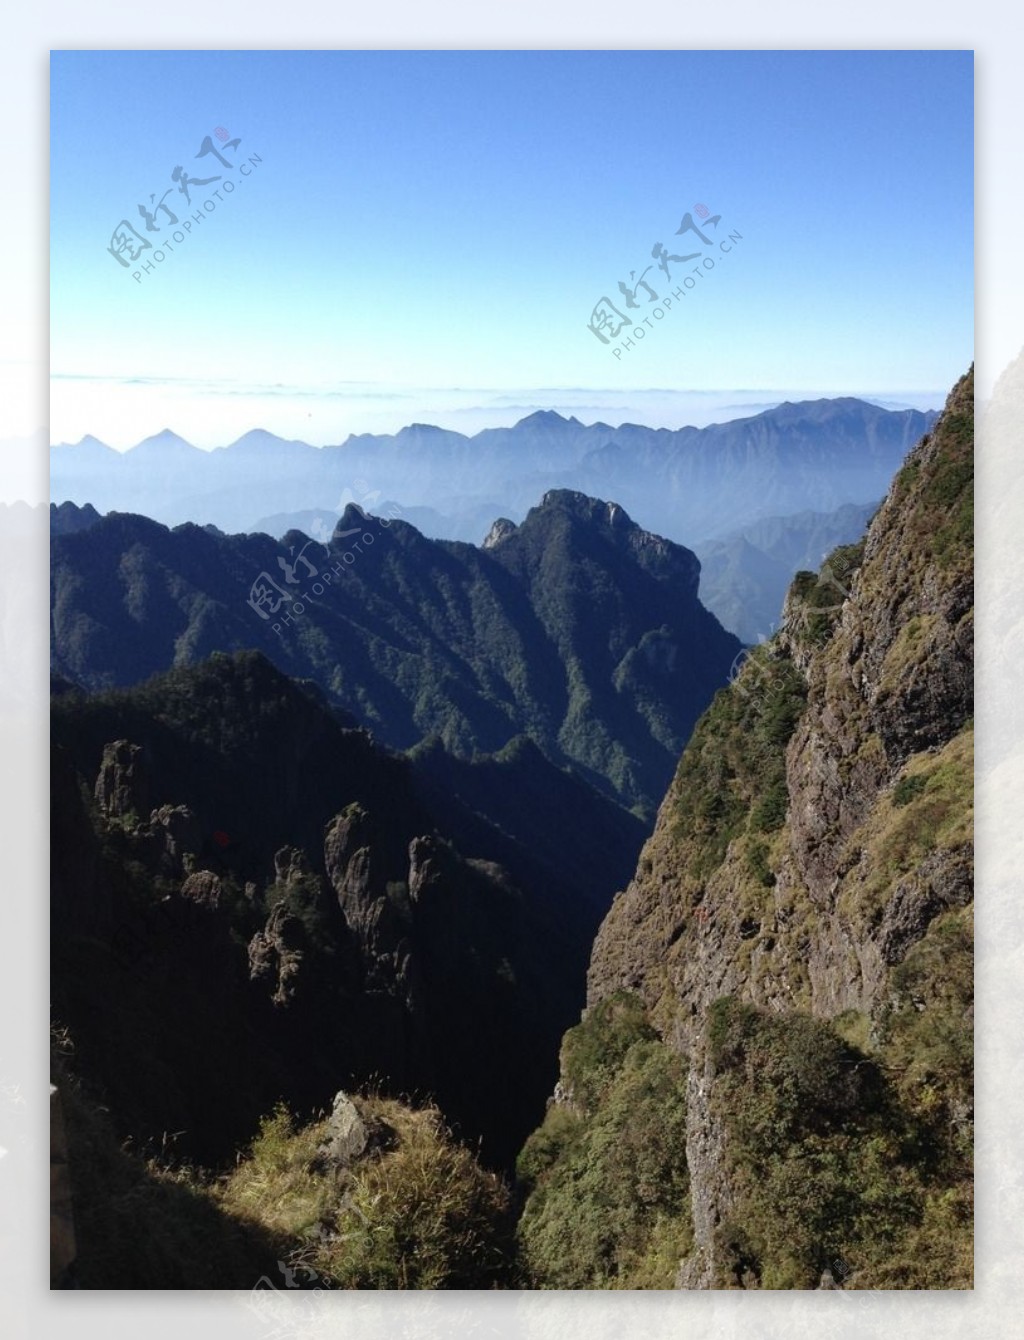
(579, 630)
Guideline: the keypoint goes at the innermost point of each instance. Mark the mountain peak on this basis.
(546, 418)
(66, 518)
(259, 439)
(414, 432)
(165, 441)
(822, 408)
(353, 518)
(587, 508)
(500, 530)
(570, 520)
(88, 443)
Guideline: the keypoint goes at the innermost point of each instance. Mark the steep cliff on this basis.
(799, 931)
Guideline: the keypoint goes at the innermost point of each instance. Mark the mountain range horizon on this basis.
(258, 435)
(757, 497)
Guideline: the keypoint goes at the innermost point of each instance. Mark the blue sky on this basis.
(426, 234)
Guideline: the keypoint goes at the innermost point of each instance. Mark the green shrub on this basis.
(927, 1032)
(828, 1152)
(907, 788)
(607, 1189)
(418, 1213)
(423, 1216)
(561, 1130)
(757, 859)
(769, 813)
(732, 775)
(818, 598)
(593, 1051)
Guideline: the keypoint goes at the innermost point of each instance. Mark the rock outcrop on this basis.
(121, 790)
(352, 1133)
(276, 955)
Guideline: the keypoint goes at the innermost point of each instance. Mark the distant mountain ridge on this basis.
(745, 576)
(688, 484)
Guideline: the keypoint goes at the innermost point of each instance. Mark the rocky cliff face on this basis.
(807, 893)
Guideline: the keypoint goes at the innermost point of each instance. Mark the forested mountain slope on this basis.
(577, 628)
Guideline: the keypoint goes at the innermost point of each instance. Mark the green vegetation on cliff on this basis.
(607, 1184)
(830, 1157)
(732, 776)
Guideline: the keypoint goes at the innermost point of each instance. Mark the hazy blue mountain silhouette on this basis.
(689, 484)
